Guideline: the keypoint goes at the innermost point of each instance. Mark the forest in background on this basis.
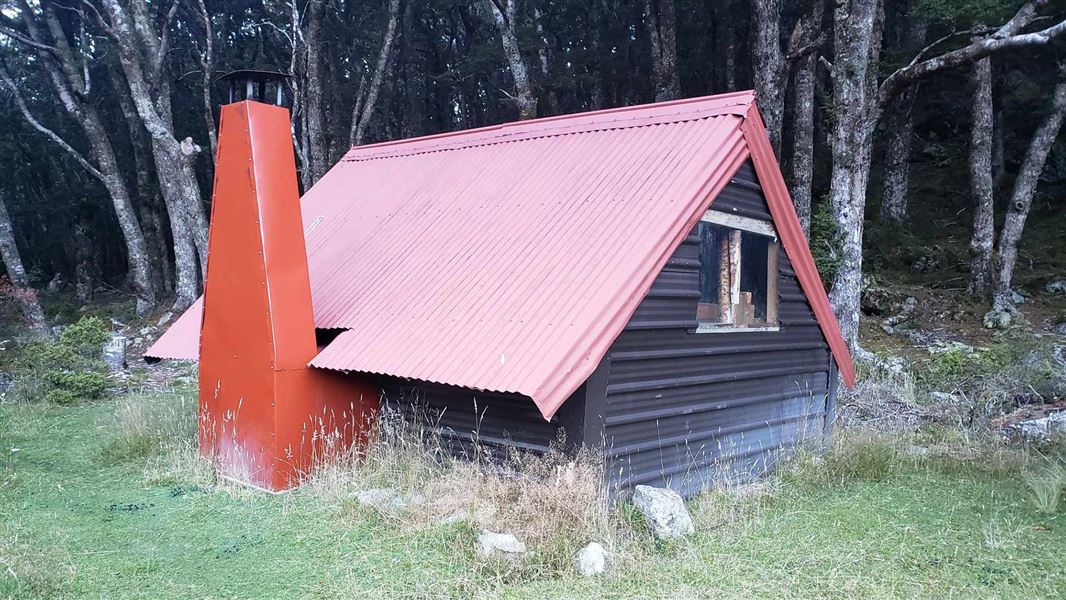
(109, 112)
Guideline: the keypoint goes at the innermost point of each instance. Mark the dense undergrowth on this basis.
(63, 370)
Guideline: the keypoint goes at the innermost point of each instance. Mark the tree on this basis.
(72, 84)
(899, 129)
(662, 32)
(141, 52)
(1021, 199)
(504, 14)
(860, 102)
(366, 102)
(981, 180)
(21, 290)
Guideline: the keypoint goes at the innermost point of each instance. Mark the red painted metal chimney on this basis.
(265, 416)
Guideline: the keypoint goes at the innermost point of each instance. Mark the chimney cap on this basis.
(251, 84)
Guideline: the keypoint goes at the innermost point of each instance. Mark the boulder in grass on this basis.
(591, 560)
(490, 545)
(665, 511)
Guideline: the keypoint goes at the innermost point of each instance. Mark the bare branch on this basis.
(1006, 37)
(23, 39)
(59, 141)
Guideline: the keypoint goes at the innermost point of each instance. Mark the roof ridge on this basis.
(734, 103)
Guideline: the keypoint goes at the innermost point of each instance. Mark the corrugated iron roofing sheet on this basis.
(509, 258)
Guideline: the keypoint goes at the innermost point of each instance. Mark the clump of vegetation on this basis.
(65, 370)
(825, 242)
(1047, 486)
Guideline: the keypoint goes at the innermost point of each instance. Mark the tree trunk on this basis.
(1022, 197)
(803, 84)
(662, 33)
(544, 56)
(82, 253)
(364, 106)
(313, 92)
(505, 23)
(178, 183)
(769, 67)
(857, 40)
(899, 129)
(24, 294)
(983, 234)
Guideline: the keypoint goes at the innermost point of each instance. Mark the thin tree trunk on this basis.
(1022, 196)
(364, 107)
(769, 67)
(24, 294)
(899, 129)
(983, 233)
(662, 32)
(505, 16)
(82, 253)
(544, 56)
(803, 84)
(313, 92)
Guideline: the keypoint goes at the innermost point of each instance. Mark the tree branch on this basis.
(7, 30)
(21, 102)
(1006, 37)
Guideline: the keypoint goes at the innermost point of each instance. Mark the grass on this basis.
(87, 510)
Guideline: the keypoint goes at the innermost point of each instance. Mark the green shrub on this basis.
(65, 370)
(825, 242)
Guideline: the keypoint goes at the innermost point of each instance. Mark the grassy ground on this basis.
(78, 518)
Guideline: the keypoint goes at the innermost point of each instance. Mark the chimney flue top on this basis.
(261, 86)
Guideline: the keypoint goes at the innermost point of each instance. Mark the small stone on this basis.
(1017, 298)
(591, 560)
(490, 544)
(941, 397)
(665, 511)
(1056, 286)
(456, 517)
(381, 499)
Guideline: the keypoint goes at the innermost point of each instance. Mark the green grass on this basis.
(78, 520)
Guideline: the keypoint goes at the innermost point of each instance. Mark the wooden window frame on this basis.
(730, 264)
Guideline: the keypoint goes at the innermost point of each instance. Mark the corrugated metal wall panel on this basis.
(686, 409)
(497, 421)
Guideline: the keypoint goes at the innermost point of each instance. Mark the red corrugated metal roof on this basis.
(509, 258)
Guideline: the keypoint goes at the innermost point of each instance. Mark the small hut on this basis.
(632, 280)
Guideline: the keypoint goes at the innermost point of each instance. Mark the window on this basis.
(738, 273)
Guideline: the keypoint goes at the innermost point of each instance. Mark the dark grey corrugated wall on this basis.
(688, 410)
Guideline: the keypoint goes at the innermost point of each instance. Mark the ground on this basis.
(80, 519)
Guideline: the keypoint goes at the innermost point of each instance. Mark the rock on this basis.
(591, 560)
(1059, 329)
(942, 397)
(926, 264)
(1056, 286)
(490, 544)
(456, 517)
(1017, 298)
(386, 500)
(114, 353)
(1044, 429)
(942, 347)
(998, 318)
(665, 511)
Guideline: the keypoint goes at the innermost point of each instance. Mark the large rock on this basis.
(591, 560)
(114, 353)
(665, 511)
(490, 544)
(1056, 286)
